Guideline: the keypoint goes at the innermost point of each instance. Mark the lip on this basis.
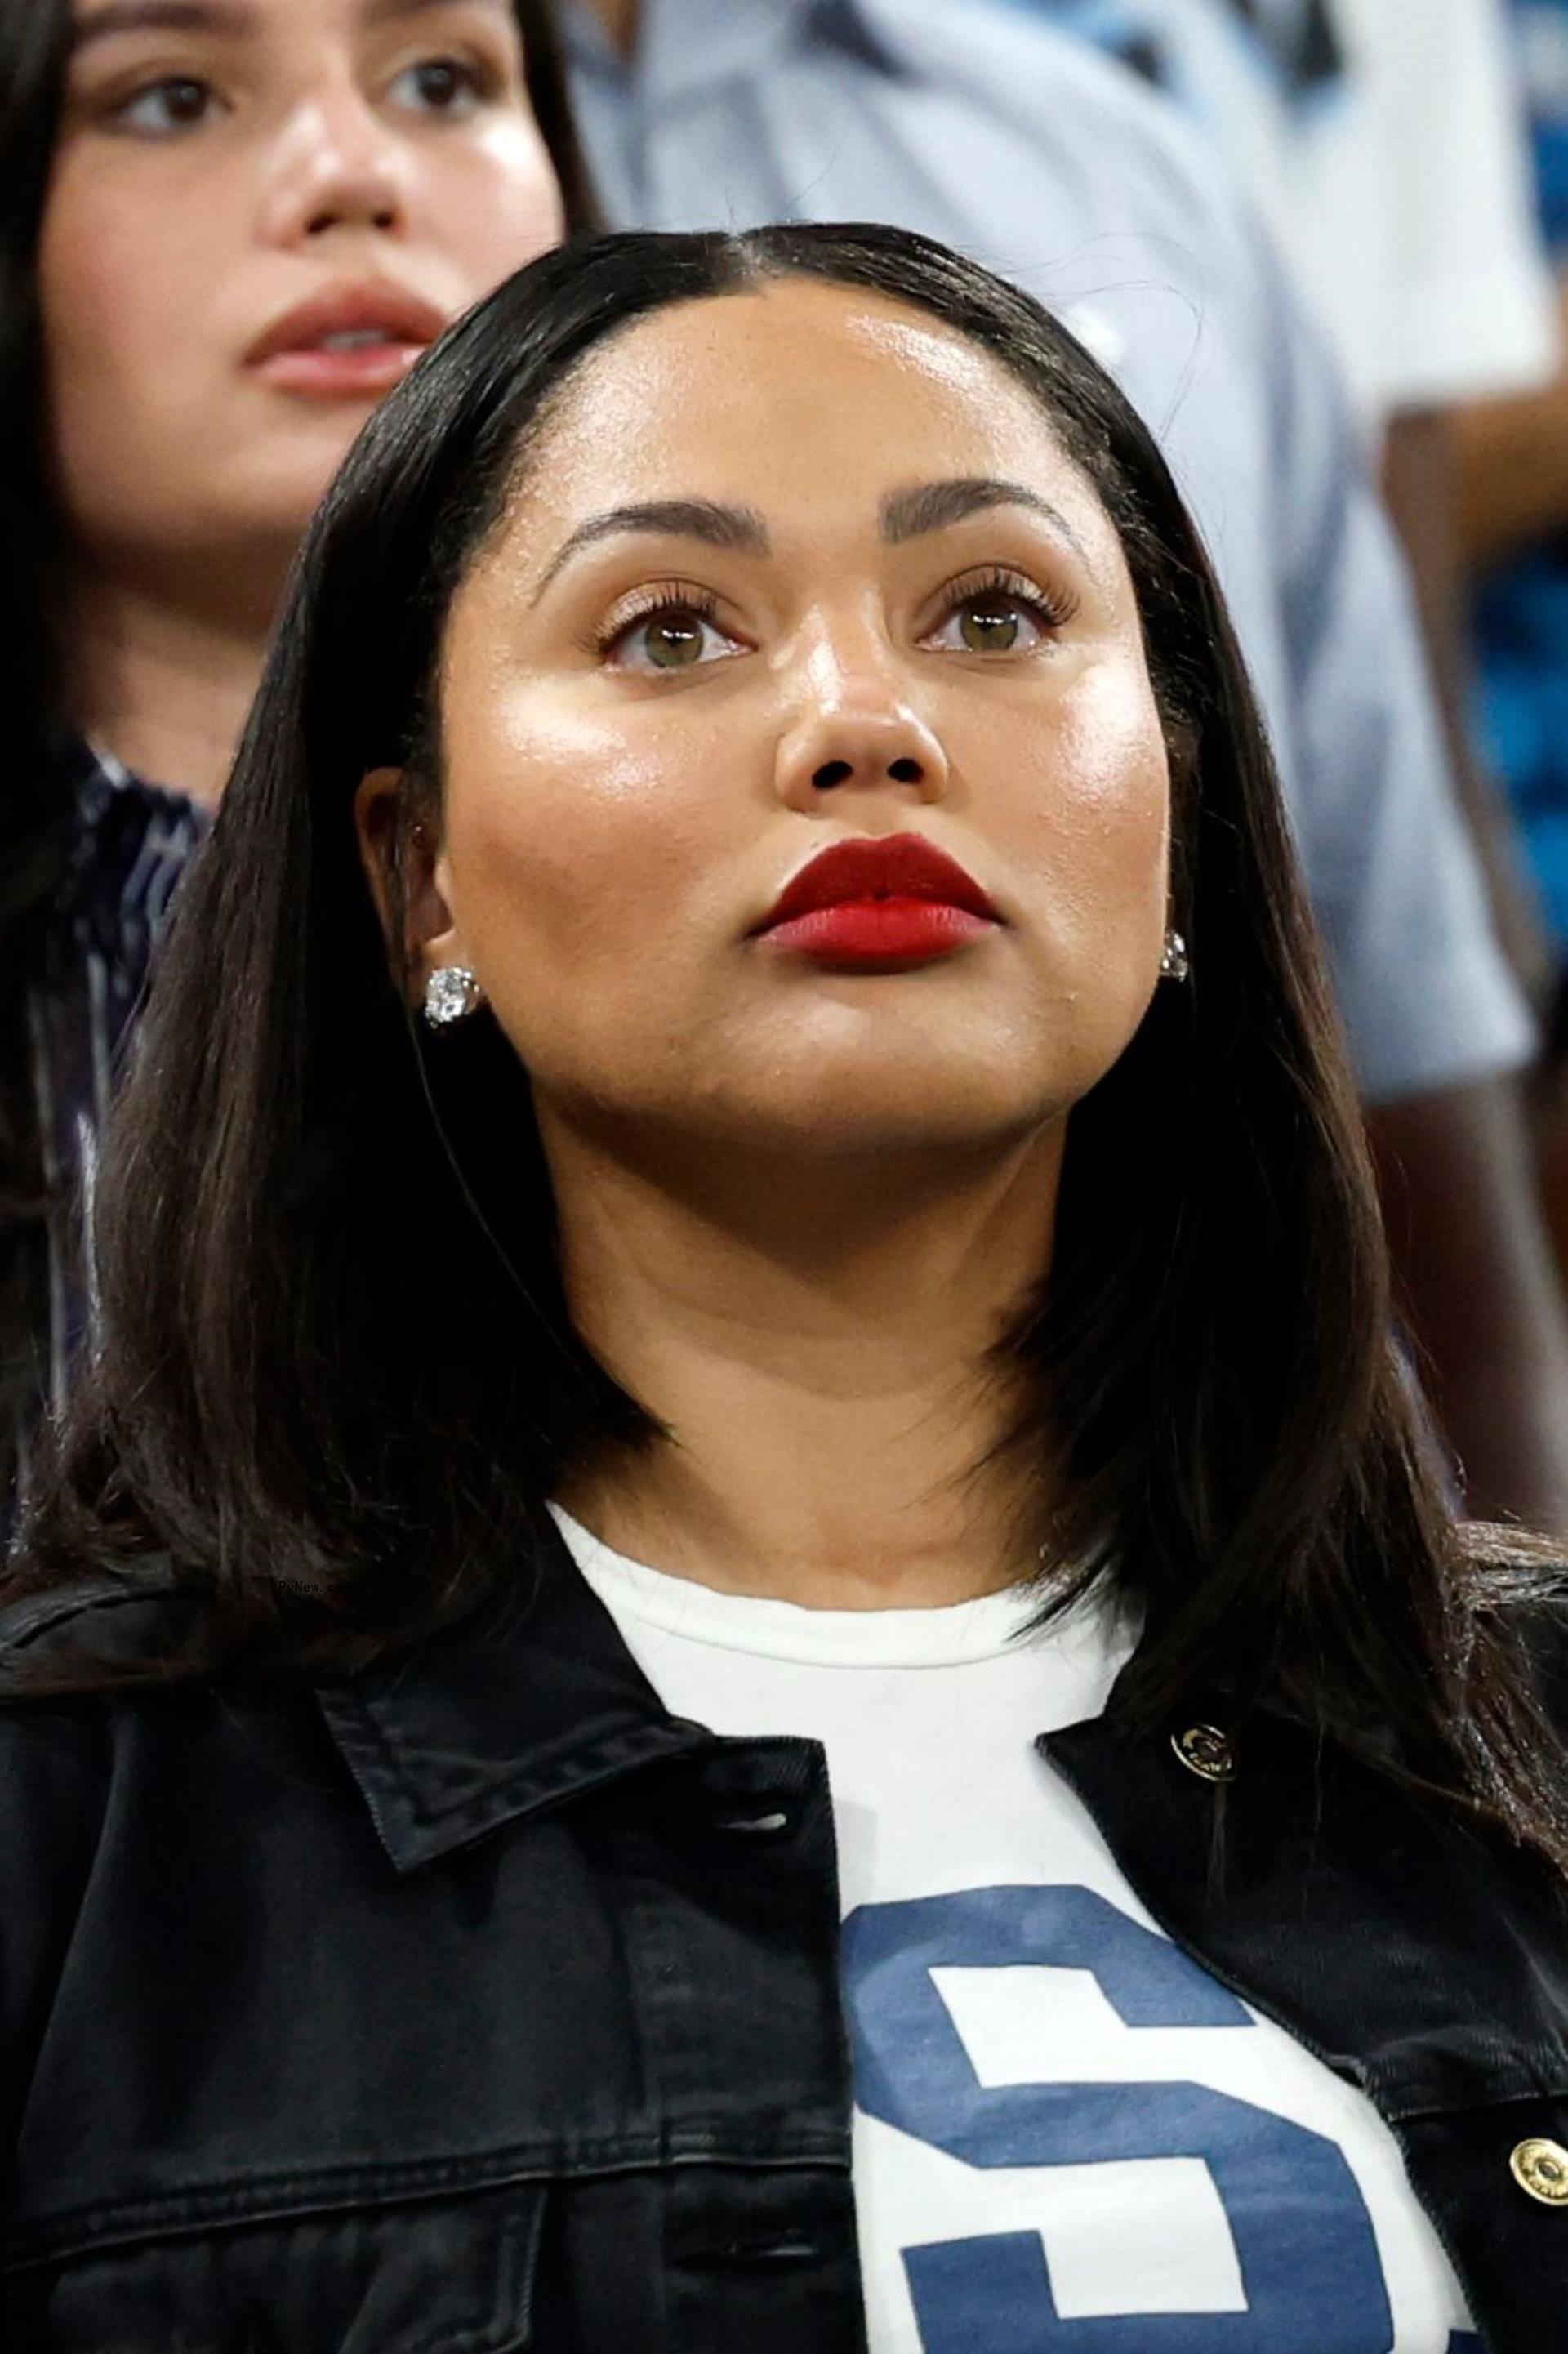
(291, 355)
(883, 904)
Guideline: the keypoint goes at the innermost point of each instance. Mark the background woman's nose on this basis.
(360, 205)
(338, 168)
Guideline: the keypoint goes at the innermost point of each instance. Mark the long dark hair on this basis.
(34, 48)
(340, 1379)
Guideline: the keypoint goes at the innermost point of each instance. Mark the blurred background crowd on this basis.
(1319, 241)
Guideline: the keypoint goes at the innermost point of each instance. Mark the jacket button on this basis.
(1206, 1750)
(1541, 2169)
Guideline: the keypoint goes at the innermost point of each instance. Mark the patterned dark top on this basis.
(132, 845)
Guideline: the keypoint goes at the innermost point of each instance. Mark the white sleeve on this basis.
(1469, 307)
(1426, 991)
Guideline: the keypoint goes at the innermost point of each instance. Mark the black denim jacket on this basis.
(479, 2003)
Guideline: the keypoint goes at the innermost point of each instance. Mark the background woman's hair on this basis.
(338, 1352)
(35, 821)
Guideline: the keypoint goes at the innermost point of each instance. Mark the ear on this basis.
(406, 869)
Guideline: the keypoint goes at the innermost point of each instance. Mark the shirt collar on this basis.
(97, 782)
(120, 828)
(531, 1700)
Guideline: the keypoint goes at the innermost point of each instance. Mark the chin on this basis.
(282, 486)
(885, 1113)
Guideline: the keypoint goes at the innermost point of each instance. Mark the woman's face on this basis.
(791, 570)
(260, 211)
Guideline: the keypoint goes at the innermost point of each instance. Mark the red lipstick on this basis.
(347, 341)
(879, 905)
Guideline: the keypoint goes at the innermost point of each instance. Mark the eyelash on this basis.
(480, 77)
(659, 597)
(1051, 609)
(117, 108)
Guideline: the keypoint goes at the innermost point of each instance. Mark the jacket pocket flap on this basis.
(454, 2275)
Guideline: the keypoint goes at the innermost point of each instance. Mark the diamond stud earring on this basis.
(1175, 964)
(451, 994)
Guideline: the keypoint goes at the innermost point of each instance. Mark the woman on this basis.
(224, 233)
(740, 1288)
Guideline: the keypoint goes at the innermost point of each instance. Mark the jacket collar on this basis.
(529, 1702)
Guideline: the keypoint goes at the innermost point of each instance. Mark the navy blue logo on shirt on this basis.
(1303, 2238)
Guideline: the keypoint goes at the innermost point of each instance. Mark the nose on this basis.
(858, 732)
(338, 166)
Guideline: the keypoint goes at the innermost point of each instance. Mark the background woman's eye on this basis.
(440, 85)
(178, 102)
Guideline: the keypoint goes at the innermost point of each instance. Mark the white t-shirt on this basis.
(1426, 181)
(1401, 189)
(1067, 2134)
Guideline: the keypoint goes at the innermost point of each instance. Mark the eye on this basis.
(997, 613)
(161, 108)
(452, 87)
(676, 633)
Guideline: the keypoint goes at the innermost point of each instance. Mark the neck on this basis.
(620, 20)
(834, 1407)
(165, 685)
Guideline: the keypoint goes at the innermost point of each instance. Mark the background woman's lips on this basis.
(348, 341)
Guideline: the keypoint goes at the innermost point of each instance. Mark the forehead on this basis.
(795, 397)
(95, 21)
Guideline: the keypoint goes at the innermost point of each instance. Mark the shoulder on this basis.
(107, 1619)
(1097, 121)
(57, 1740)
(67, 1780)
(84, 1710)
(59, 1734)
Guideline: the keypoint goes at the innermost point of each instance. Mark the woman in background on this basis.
(226, 231)
(770, 1665)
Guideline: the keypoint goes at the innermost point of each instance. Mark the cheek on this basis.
(1099, 814)
(124, 271)
(126, 278)
(569, 835)
(497, 205)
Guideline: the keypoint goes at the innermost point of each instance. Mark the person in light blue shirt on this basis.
(1383, 142)
(1053, 165)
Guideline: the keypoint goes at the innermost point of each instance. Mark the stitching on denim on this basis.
(306, 2196)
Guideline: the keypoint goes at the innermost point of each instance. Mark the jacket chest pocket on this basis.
(449, 2276)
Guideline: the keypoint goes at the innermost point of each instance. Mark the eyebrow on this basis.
(227, 16)
(902, 516)
(709, 520)
(384, 12)
(933, 506)
(161, 16)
